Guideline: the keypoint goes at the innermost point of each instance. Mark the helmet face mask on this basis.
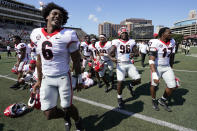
(123, 33)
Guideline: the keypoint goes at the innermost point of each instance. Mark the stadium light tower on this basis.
(41, 5)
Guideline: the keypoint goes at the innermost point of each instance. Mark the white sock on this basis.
(119, 96)
(163, 98)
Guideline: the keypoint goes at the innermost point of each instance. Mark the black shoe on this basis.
(15, 86)
(130, 87)
(120, 103)
(79, 125)
(106, 89)
(68, 124)
(113, 86)
(99, 84)
(163, 103)
(155, 105)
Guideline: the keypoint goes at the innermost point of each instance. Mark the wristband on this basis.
(105, 54)
(155, 76)
(151, 62)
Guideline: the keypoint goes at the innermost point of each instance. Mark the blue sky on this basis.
(87, 14)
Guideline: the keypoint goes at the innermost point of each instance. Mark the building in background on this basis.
(139, 28)
(111, 30)
(158, 27)
(187, 27)
(17, 18)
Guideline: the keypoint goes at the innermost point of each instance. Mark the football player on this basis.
(55, 46)
(122, 49)
(94, 54)
(103, 46)
(32, 48)
(28, 73)
(85, 51)
(22, 58)
(159, 61)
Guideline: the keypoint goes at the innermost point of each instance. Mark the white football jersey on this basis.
(32, 49)
(143, 48)
(163, 51)
(93, 49)
(123, 49)
(55, 49)
(26, 68)
(86, 50)
(104, 49)
(18, 50)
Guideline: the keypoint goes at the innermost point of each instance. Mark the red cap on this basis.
(32, 62)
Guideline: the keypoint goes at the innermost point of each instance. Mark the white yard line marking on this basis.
(136, 115)
(173, 69)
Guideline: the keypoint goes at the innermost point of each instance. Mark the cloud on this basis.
(98, 9)
(92, 17)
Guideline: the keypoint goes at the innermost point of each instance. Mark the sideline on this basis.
(136, 115)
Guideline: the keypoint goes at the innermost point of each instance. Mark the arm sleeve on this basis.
(115, 43)
(74, 43)
(153, 49)
(34, 40)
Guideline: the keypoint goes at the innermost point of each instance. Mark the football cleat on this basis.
(120, 103)
(177, 82)
(130, 87)
(163, 103)
(106, 89)
(99, 84)
(113, 86)
(31, 102)
(68, 125)
(79, 125)
(155, 105)
(15, 86)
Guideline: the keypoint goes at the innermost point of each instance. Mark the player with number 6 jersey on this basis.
(55, 47)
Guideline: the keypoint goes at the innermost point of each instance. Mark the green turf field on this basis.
(98, 118)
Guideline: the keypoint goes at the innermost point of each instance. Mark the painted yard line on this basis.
(136, 115)
(173, 69)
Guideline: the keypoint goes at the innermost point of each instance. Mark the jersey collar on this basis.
(47, 35)
(167, 44)
(86, 42)
(123, 41)
(102, 45)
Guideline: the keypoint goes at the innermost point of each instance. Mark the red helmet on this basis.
(98, 65)
(122, 30)
(90, 64)
(14, 70)
(15, 110)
